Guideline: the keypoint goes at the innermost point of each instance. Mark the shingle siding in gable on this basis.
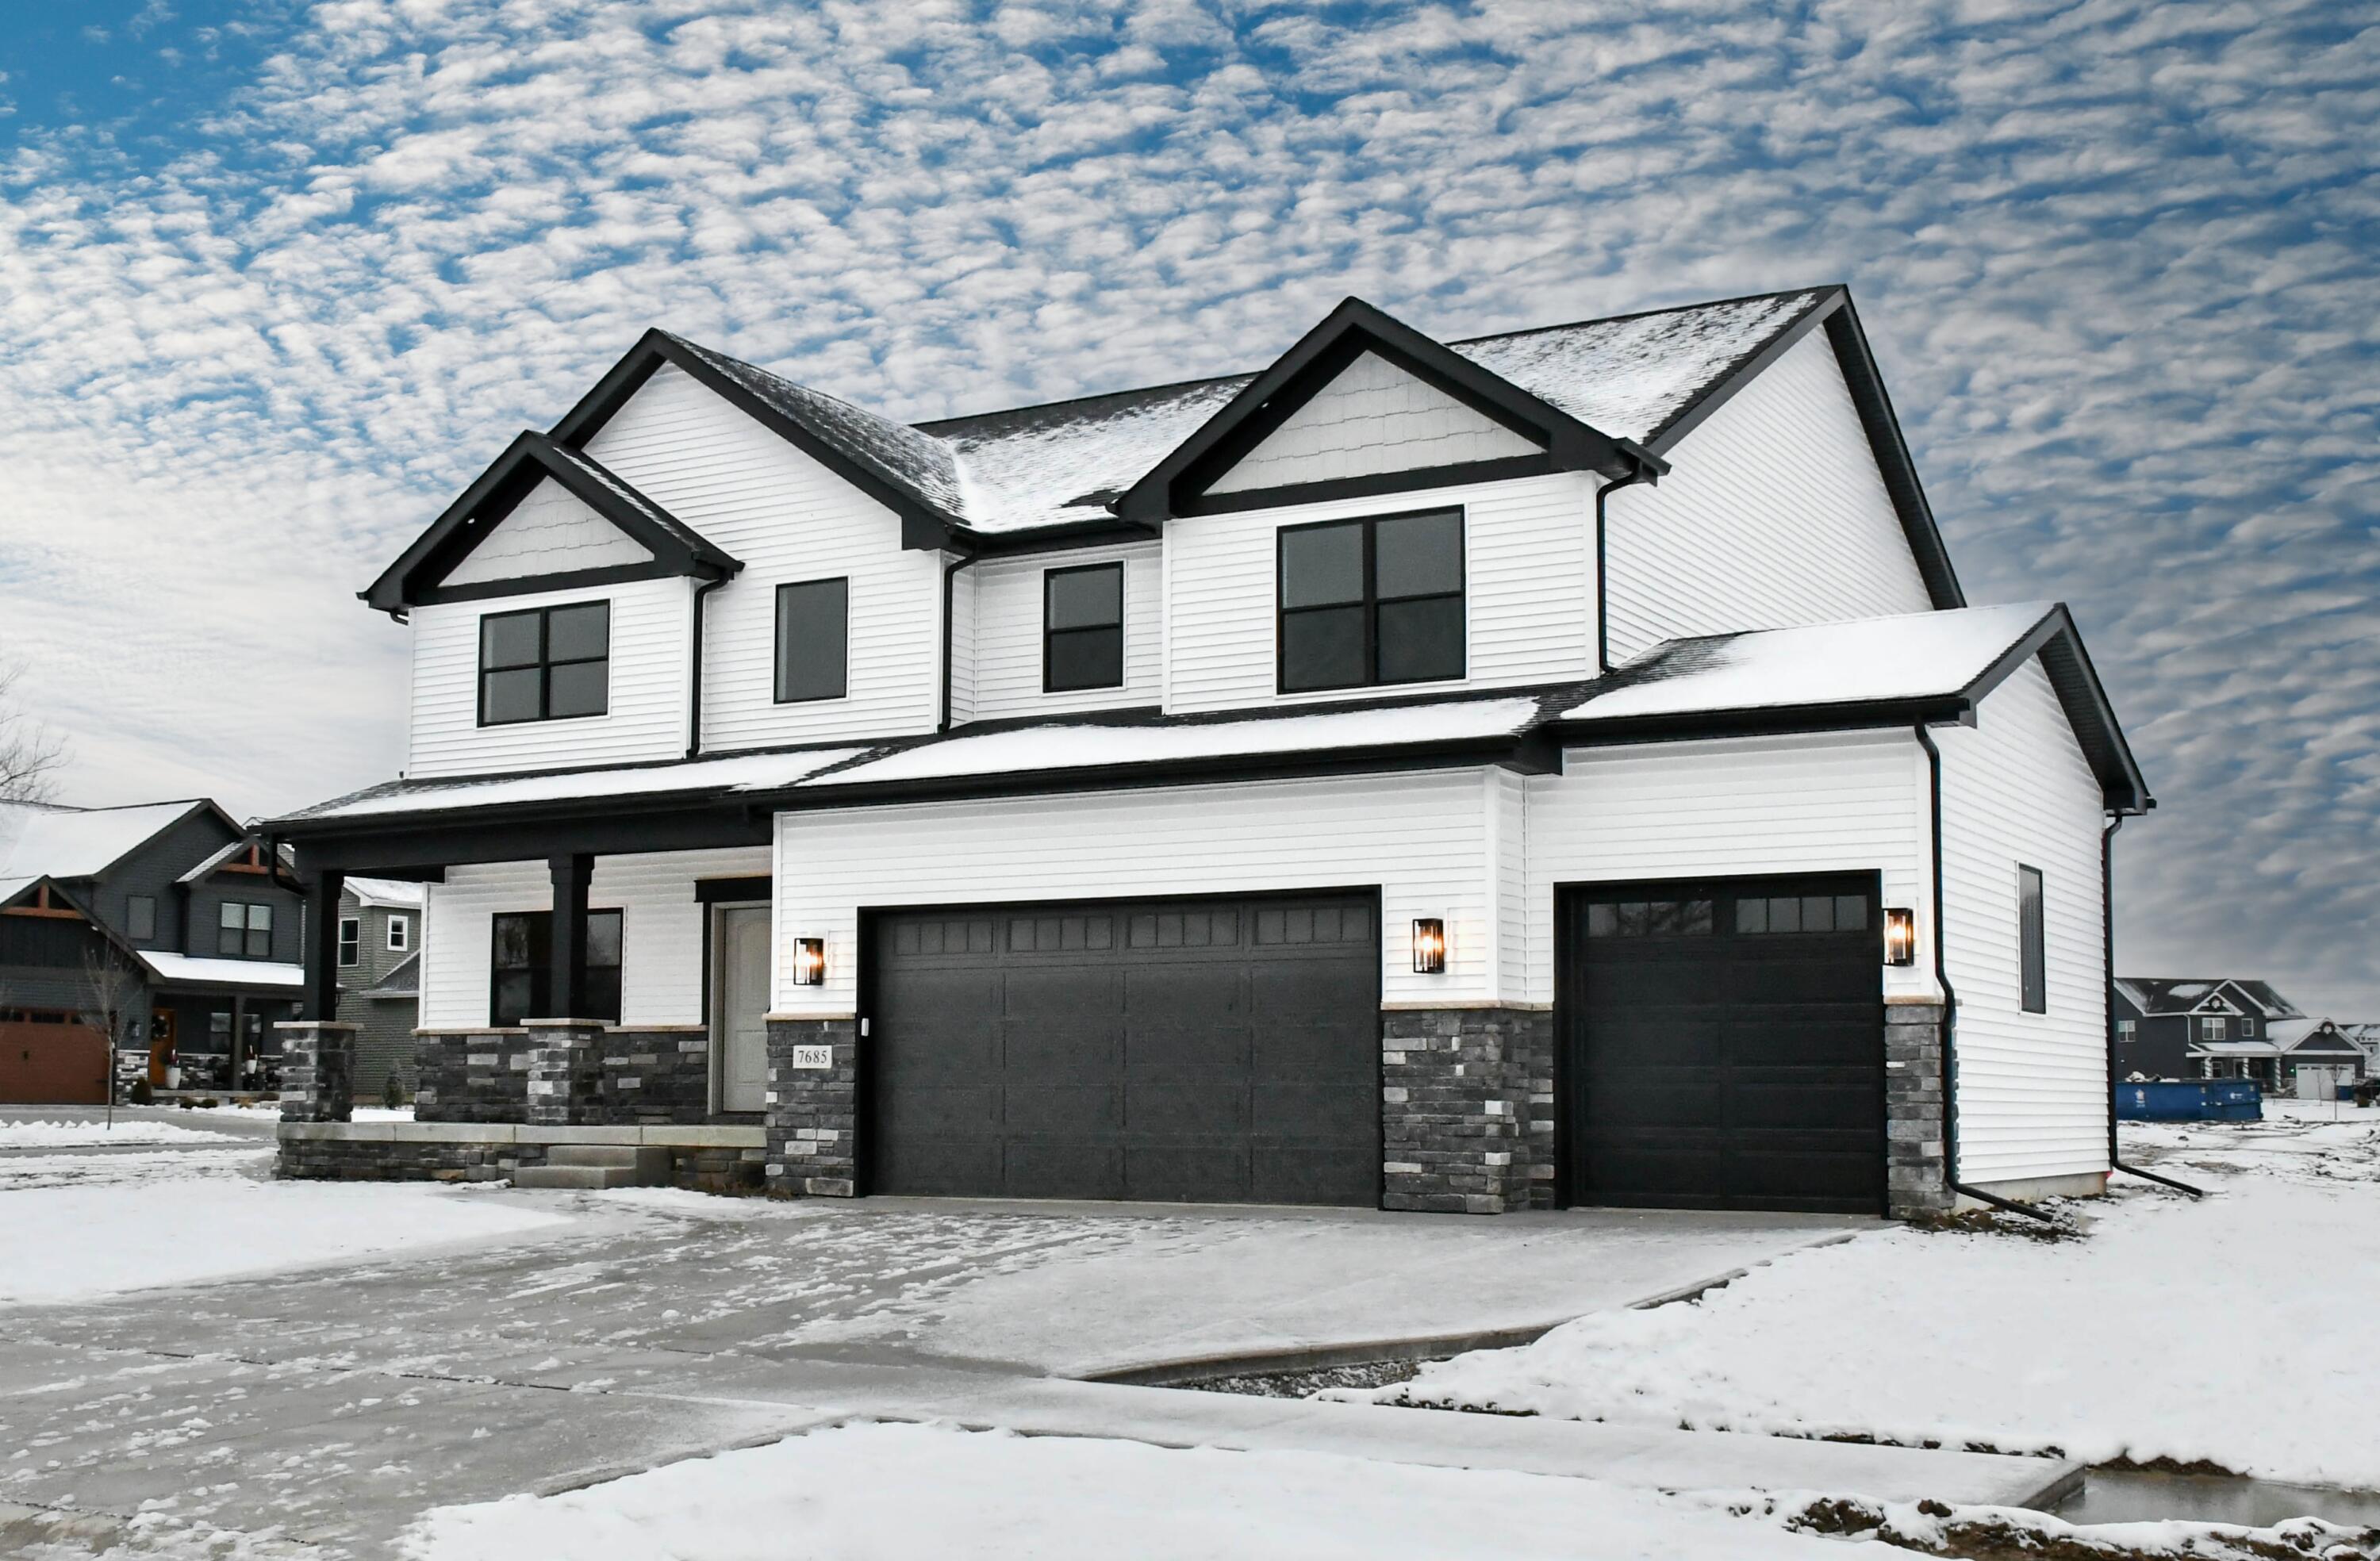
(551, 531)
(788, 520)
(1529, 584)
(1007, 630)
(1773, 514)
(1373, 418)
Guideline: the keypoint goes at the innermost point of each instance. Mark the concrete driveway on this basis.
(332, 1407)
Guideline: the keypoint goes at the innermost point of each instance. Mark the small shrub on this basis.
(141, 1094)
(391, 1093)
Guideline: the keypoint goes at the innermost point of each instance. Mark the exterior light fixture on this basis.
(1899, 936)
(1429, 945)
(810, 962)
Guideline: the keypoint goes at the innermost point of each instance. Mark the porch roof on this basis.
(197, 969)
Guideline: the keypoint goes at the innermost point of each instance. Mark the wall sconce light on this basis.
(1899, 936)
(810, 962)
(1429, 945)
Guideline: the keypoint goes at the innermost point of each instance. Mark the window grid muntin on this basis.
(1367, 604)
(542, 662)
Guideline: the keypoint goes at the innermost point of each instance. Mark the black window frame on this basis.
(250, 933)
(1371, 599)
(1049, 683)
(351, 942)
(602, 999)
(545, 663)
(140, 917)
(2032, 938)
(777, 657)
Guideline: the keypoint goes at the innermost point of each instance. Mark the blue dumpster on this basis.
(2191, 1100)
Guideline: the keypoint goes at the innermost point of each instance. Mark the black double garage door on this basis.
(1207, 1050)
(1719, 1046)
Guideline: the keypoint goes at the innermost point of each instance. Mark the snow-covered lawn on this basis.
(157, 1224)
(42, 1133)
(2238, 1330)
(892, 1491)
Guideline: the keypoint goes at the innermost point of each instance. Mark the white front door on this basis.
(739, 1016)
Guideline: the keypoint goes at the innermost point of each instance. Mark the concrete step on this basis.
(574, 1179)
(652, 1161)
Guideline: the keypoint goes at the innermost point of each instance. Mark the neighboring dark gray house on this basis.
(2163, 1023)
(167, 923)
(380, 968)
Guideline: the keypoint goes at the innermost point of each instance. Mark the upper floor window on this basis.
(813, 639)
(1372, 602)
(244, 930)
(140, 916)
(351, 938)
(2248, 1028)
(2032, 953)
(2216, 1029)
(522, 963)
(2124, 1029)
(546, 663)
(400, 934)
(1081, 627)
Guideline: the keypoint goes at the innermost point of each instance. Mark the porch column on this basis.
(237, 1053)
(322, 939)
(567, 980)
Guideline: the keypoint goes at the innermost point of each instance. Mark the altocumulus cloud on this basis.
(2117, 257)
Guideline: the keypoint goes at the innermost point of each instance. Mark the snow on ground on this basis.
(2235, 1330)
(44, 1133)
(884, 1491)
(157, 1226)
(270, 1112)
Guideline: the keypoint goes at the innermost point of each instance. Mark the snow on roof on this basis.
(392, 893)
(1913, 656)
(229, 972)
(737, 772)
(2238, 1048)
(2167, 993)
(403, 980)
(1083, 746)
(40, 840)
(1630, 376)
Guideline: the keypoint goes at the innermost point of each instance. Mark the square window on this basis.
(546, 663)
(579, 688)
(1372, 602)
(813, 640)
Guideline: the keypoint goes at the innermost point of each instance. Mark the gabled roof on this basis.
(225, 852)
(2301, 1033)
(198, 970)
(393, 894)
(1869, 671)
(2157, 995)
(46, 840)
(402, 979)
(532, 458)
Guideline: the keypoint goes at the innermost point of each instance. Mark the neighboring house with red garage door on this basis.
(1553, 767)
(166, 921)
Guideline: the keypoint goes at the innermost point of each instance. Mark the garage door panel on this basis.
(1222, 1049)
(1817, 971)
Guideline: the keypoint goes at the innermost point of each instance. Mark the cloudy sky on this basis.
(276, 278)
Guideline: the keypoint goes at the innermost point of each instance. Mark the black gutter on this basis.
(1603, 567)
(1950, 1014)
(950, 574)
(694, 710)
(2107, 931)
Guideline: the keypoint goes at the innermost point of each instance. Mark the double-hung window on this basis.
(351, 938)
(244, 930)
(1081, 627)
(2033, 961)
(521, 968)
(546, 663)
(813, 639)
(1371, 601)
(400, 934)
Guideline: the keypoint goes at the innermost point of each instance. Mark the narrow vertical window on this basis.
(231, 929)
(351, 938)
(400, 934)
(1082, 628)
(813, 640)
(140, 917)
(2032, 957)
(260, 932)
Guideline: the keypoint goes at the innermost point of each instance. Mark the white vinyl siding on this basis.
(788, 518)
(550, 532)
(1529, 593)
(661, 929)
(1773, 514)
(1420, 838)
(962, 642)
(646, 718)
(2033, 1098)
(1373, 418)
(1851, 803)
(1007, 623)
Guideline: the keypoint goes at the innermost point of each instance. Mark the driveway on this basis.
(333, 1405)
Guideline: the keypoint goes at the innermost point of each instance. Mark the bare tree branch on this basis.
(29, 751)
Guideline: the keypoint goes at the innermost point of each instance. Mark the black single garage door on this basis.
(1723, 1044)
(1201, 1050)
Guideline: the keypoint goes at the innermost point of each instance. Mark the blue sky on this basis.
(277, 278)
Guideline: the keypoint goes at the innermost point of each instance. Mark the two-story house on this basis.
(167, 923)
(1556, 768)
(380, 968)
(2164, 1024)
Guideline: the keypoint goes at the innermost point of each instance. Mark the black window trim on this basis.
(248, 927)
(133, 904)
(2032, 942)
(351, 942)
(541, 970)
(1371, 600)
(777, 641)
(544, 662)
(1114, 564)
